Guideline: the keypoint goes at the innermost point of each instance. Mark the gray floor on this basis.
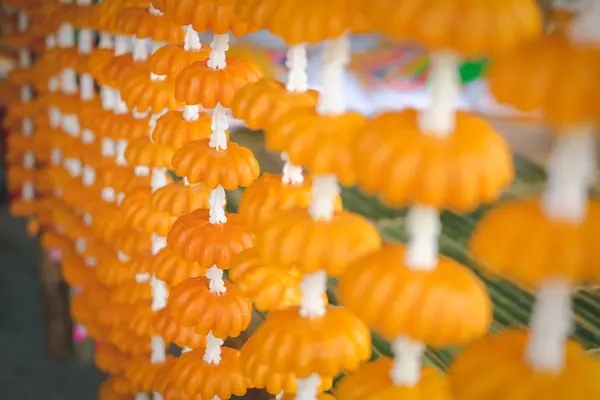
(25, 373)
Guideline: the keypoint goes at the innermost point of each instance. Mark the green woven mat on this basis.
(512, 305)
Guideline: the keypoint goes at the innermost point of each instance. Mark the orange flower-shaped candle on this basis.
(196, 239)
(172, 270)
(260, 103)
(217, 16)
(458, 171)
(273, 192)
(194, 303)
(179, 198)
(325, 345)
(512, 376)
(197, 378)
(471, 28)
(294, 238)
(229, 167)
(215, 80)
(175, 128)
(373, 381)
(382, 279)
(146, 23)
(268, 287)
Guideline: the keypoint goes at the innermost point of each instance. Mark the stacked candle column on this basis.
(553, 231)
(297, 350)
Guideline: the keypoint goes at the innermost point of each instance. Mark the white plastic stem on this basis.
(159, 294)
(108, 147)
(70, 124)
(292, 174)
(68, 81)
(121, 146)
(53, 84)
(444, 87)
(406, 370)
(123, 257)
(155, 46)
(139, 114)
(325, 190)
(28, 160)
(107, 97)
(216, 282)
(88, 176)
(50, 41)
(74, 167)
(27, 127)
(26, 93)
(142, 396)
(87, 137)
(22, 21)
(158, 243)
(219, 126)
(308, 388)
(423, 226)
(142, 278)
(191, 113)
(313, 302)
(157, 78)
(141, 170)
(192, 40)
(106, 40)
(336, 56)
(586, 30)
(140, 49)
(159, 178)
(120, 198)
(66, 36)
(86, 41)
(121, 45)
(80, 245)
(28, 191)
(212, 354)
(217, 200)
(25, 60)
(219, 46)
(153, 10)
(571, 173)
(108, 194)
(296, 63)
(86, 82)
(550, 326)
(56, 157)
(55, 117)
(120, 106)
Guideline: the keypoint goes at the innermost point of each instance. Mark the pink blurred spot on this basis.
(79, 333)
(55, 255)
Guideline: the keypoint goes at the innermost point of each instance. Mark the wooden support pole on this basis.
(55, 299)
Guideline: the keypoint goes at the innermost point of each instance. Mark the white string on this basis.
(219, 126)
(313, 303)
(325, 190)
(216, 282)
(406, 370)
(219, 46)
(336, 56)
(551, 324)
(296, 63)
(292, 174)
(444, 87)
(192, 40)
(212, 354)
(217, 200)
